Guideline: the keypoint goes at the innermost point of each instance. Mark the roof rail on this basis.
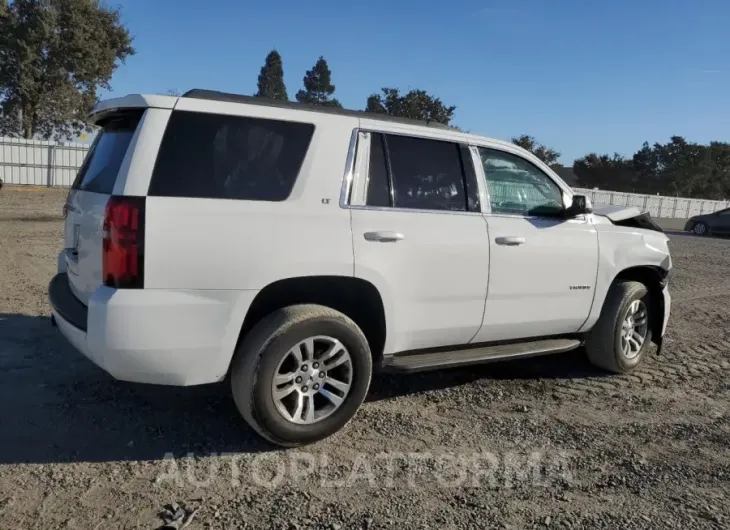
(214, 95)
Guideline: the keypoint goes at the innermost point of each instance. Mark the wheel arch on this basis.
(655, 279)
(357, 298)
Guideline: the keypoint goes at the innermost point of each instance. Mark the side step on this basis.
(421, 362)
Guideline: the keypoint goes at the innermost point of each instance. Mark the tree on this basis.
(271, 79)
(606, 172)
(683, 168)
(547, 155)
(416, 105)
(318, 87)
(678, 168)
(55, 56)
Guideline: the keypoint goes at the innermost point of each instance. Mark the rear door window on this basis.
(99, 171)
(419, 173)
(229, 157)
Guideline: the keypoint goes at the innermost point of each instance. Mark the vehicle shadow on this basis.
(57, 406)
(691, 234)
(568, 365)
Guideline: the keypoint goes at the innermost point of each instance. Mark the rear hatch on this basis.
(87, 199)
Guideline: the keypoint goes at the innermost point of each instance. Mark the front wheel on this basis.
(301, 374)
(619, 340)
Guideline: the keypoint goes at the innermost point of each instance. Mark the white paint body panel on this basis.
(214, 244)
(230, 244)
(82, 232)
(530, 292)
(622, 248)
(166, 337)
(433, 281)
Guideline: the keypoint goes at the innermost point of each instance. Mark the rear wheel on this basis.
(620, 338)
(301, 374)
(700, 229)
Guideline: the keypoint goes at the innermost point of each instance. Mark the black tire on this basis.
(701, 229)
(257, 358)
(603, 342)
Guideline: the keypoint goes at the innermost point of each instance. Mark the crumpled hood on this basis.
(627, 216)
(615, 212)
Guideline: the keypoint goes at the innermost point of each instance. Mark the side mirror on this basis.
(581, 205)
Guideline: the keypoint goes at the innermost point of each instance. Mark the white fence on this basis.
(656, 205)
(41, 163)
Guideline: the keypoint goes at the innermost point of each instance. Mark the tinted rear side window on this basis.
(99, 171)
(426, 174)
(229, 157)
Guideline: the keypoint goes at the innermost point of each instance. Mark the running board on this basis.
(421, 362)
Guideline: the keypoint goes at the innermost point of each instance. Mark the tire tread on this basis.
(600, 342)
(253, 346)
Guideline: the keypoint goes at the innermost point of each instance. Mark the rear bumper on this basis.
(166, 337)
(65, 304)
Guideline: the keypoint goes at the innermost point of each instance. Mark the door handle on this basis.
(383, 236)
(510, 241)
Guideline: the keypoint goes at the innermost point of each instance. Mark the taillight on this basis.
(123, 243)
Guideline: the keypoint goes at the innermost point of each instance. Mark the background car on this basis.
(710, 223)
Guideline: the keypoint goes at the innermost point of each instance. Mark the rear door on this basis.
(419, 237)
(87, 200)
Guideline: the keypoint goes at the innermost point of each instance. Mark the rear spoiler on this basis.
(132, 101)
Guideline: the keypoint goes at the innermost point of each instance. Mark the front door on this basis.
(420, 241)
(543, 266)
(722, 222)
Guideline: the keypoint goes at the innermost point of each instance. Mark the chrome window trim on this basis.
(350, 177)
(581, 218)
(360, 177)
(365, 165)
(484, 198)
(346, 188)
(412, 210)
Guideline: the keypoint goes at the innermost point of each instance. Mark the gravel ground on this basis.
(531, 444)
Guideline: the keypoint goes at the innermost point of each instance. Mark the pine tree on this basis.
(271, 79)
(318, 87)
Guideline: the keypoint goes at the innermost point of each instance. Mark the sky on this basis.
(580, 76)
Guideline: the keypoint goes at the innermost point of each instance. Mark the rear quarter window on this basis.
(229, 157)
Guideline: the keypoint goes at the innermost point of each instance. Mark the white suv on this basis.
(294, 249)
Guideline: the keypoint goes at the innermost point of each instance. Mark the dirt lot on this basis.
(540, 443)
